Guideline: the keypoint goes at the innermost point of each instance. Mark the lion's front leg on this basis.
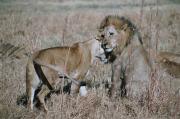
(118, 78)
(115, 80)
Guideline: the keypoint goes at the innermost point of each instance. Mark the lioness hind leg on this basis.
(32, 82)
(41, 95)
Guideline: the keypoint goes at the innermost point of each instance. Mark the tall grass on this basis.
(41, 26)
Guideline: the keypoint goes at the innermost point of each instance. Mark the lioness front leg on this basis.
(74, 86)
(41, 95)
(74, 89)
(30, 94)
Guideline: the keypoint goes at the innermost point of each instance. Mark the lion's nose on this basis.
(102, 35)
(111, 33)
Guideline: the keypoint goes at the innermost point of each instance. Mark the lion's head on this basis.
(116, 33)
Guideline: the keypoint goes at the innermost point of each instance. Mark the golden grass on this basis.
(38, 26)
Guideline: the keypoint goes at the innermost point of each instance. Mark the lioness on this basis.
(132, 67)
(73, 61)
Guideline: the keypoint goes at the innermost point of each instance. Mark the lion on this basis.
(69, 61)
(132, 67)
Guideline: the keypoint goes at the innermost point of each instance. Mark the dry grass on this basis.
(37, 26)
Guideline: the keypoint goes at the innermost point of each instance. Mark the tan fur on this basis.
(170, 62)
(170, 56)
(73, 61)
(132, 64)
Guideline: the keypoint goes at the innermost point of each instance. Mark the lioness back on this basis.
(60, 56)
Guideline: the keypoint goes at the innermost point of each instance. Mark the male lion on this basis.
(131, 66)
(72, 61)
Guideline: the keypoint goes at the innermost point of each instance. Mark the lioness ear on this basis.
(99, 29)
(98, 38)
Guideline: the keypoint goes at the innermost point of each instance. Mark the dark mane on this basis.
(119, 23)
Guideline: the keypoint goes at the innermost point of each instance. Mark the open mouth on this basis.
(110, 57)
(107, 48)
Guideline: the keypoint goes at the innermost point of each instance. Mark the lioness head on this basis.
(97, 51)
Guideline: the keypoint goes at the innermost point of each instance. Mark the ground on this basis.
(30, 25)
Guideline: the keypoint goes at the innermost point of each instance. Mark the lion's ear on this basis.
(104, 23)
(124, 27)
